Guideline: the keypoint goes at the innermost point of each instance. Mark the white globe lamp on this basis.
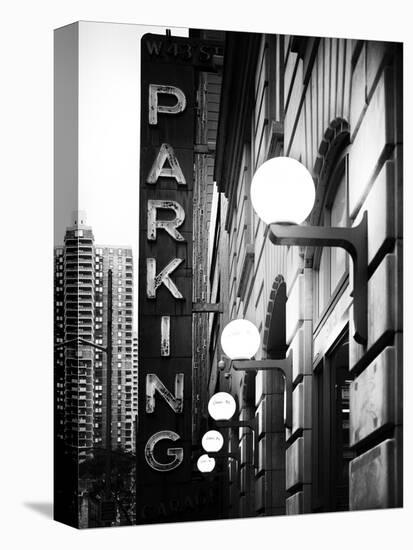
(212, 441)
(205, 463)
(222, 406)
(282, 191)
(240, 339)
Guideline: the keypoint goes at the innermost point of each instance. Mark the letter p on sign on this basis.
(155, 108)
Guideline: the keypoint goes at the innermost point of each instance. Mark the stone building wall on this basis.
(336, 106)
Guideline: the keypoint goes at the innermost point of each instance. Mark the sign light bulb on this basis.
(205, 463)
(222, 406)
(212, 441)
(240, 339)
(282, 191)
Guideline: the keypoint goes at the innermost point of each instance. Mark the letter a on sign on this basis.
(166, 154)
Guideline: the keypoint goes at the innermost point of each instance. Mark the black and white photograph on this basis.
(234, 348)
(217, 300)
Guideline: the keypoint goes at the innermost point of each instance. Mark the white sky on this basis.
(109, 133)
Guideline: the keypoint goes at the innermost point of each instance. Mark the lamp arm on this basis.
(234, 425)
(220, 454)
(285, 366)
(353, 240)
(251, 424)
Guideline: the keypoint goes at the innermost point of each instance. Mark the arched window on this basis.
(274, 345)
(331, 264)
(331, 408)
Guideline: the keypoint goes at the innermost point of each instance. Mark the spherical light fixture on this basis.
(282, 191)
(212, 441)
(240, 339)
(205, 463)
(222, 406)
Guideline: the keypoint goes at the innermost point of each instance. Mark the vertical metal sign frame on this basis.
(165, 278)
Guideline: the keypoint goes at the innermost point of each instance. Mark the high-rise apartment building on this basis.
(119, 261)
(81, 311)
(135, 379)
(74, 319)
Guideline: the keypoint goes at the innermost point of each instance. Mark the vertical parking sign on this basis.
(165, 278)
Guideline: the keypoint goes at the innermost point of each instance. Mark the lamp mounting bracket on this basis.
(353, 240)
(283, 365)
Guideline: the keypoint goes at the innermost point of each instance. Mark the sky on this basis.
(109, 118)
(108, 133)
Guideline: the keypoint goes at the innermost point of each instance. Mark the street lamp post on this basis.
(282, 194)
(353, 240)
(244, 332)
(221, 408)
(212, 441)
(285, 366)
(240, 341)
(251, 425)
(205, 463)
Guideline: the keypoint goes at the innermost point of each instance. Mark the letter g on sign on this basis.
(177, 453)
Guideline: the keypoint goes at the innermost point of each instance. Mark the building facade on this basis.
(81, 311)
(124, 370)
(208, 93)
(74, 318)
(336, 106)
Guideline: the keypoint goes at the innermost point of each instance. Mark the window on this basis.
(331, 450)
(338, 218)
(331, 263)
